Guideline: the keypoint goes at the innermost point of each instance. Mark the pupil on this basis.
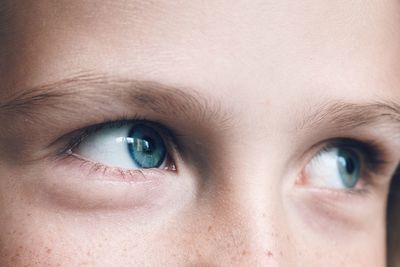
(148, 149)
(148, 145)
(350, 166)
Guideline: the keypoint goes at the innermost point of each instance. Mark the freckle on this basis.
(244, 252)
(269, 254)
(28, 214)
(198, 253)
(48, 250)
(209, 228)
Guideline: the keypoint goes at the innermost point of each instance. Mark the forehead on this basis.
(229, 45)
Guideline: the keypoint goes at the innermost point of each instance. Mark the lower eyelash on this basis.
(119, 174)
(340, 193)
(79, 136)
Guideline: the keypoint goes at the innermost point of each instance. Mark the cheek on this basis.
(331, 245)
(41, 240)
(32, 234)
(368, 250)
(28, 236)
(327, 231)
(23, 246)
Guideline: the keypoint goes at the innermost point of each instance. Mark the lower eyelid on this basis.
(321, 206)
(97, 171)
(100, 195)
(170, 143)
(67, 186)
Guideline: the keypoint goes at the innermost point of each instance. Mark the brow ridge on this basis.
(343, 115)
(102, 90)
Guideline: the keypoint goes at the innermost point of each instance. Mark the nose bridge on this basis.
(248, 225)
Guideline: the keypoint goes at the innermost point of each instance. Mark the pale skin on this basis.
(274, 81)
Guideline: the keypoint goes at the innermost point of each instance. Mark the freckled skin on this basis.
(260, 60)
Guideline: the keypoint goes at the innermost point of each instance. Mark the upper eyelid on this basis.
(79, 136)
(95, 89)
(67, 95)
(372, 154)
(75, 136)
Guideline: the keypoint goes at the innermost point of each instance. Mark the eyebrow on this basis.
(343, 116)
(102, 93)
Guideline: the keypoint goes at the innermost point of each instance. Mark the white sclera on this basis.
(109, 147)
(323, 170)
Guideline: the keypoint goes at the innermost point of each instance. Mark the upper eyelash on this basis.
(80, 135)
(372, 155)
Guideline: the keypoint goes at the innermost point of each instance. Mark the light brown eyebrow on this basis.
(341, 116)
(104, 93)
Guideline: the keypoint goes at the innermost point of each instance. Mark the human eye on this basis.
(117, 165)
(123, 147)
(126, 145)
(343, 164)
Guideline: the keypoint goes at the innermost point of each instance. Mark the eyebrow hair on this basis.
(101, 90)
(344, 116)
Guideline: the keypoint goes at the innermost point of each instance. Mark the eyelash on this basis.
(73, 140)
(373, 160)
(371, 153)
(76, 138)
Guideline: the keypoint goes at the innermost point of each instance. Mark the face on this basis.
(197, 133)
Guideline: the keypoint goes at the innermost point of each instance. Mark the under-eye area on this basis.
(199, 133)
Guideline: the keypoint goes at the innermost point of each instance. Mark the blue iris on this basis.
(146, 148)
(349, 166)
